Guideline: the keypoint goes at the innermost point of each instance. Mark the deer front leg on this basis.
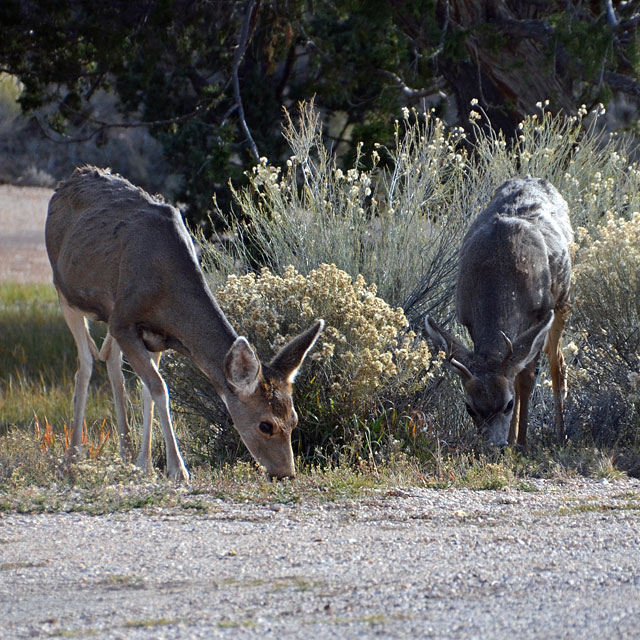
(515, 417)
(522, 386)
(144, 458)
(557, 366)
(144, 364)
(524, 383)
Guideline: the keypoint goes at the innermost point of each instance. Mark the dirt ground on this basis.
(23, 211)
(560, 560)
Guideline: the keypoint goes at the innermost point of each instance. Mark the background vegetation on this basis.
(180, 96)
(350, 207)
(398, 226)
(372, 393)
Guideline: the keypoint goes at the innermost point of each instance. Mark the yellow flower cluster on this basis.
(366, 349)
(615, 247)
(607, 285)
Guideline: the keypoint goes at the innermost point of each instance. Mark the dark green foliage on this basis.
(171, 65)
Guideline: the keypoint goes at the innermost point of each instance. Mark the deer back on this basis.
(514, 264)
(113, 245)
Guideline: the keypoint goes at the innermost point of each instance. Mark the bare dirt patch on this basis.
(23, 211)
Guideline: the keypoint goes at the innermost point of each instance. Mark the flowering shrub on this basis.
(366, 349)
(365, 360)
(607, 282)
(607, 328)
(365, 219)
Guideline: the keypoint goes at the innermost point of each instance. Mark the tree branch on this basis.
(103, 126)
(406, 90)
(237, 59)
(611, 15)
(622, 83)
(532, 29)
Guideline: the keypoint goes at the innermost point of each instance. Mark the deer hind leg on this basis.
(557, 366)
(144, 364)
(144, 458)
(112, 355)
(87, 351)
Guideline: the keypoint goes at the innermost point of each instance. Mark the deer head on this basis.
(488, 381)
(259, 399)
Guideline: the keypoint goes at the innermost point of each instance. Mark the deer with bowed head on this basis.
(512, 295)
(125, 258)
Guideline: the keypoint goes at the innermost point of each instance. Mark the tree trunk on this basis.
(509, 80)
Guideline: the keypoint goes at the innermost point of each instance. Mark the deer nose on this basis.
(498, 441)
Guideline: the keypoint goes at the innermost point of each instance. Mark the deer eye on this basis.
(266, 428)
(509, 406)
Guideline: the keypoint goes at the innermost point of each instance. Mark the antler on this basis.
(503, 366)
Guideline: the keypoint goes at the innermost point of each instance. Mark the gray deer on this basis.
(513, 297)
(125, 258)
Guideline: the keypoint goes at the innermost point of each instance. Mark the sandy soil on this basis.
(23, 211)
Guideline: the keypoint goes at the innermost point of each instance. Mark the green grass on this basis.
(38, 361)
(36, 343)
(152, 622)
(570, 510)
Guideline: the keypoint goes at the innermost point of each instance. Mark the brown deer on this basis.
(125, 258)
(513, 297)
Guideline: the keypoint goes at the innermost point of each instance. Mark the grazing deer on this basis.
(125, 258)
(513, 297)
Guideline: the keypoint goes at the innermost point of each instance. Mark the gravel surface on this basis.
(560, 561)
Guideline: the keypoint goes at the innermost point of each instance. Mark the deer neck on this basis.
(493, 311)
(205, 336)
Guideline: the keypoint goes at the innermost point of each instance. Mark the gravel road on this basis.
(560, 561)
(23, 211)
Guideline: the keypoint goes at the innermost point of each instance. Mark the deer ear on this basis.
(242, 367)
(529, 344)
(290, 358)
(455, 352)
(441, 339)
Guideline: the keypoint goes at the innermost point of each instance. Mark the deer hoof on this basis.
(179, 474)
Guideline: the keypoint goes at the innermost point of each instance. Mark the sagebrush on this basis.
(398, 214)
(366, 362)
(606, 331)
